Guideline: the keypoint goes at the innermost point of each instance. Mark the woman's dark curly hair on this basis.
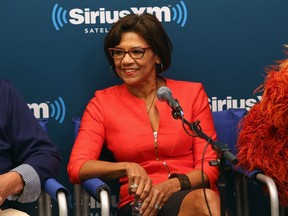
(148, 27)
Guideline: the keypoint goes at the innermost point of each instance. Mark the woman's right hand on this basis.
(139, 183)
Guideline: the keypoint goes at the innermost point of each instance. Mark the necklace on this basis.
(151, 104)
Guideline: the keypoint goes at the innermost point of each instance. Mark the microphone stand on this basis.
(222, 151)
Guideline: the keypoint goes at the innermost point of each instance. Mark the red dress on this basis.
(119, 120)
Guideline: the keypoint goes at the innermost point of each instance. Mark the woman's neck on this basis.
(148, 90)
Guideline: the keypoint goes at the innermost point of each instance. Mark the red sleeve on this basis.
(89, 141)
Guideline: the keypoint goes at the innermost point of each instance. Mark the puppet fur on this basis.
(263, 136)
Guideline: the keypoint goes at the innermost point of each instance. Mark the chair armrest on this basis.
(53, 187)
(59, 193)
(99, 191)
(257, 177)
(94, 186)
(251, 175)
(274, 201)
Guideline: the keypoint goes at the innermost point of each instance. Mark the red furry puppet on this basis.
(263, 138)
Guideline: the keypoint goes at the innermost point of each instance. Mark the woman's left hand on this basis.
(157, 197)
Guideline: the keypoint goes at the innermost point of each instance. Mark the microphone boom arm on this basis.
(221, 149)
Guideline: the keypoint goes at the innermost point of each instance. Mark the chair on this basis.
(52, 189)
(226, 123)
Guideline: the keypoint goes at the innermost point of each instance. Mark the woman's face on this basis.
(136, 72)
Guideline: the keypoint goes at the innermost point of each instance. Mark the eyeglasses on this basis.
(135, 53)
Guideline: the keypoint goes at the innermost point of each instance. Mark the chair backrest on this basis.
(226, 124)
(76, 121)
(43, 124)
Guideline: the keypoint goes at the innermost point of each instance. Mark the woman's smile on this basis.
(130, 71)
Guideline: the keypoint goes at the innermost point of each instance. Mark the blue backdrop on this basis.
(53, 51)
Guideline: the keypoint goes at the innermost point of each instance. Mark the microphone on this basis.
(165, 94)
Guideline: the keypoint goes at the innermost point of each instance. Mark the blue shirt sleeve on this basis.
(32, 185)
(22, 140)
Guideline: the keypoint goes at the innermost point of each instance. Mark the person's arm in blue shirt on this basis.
(26, 149)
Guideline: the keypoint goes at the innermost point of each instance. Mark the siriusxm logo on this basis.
(56, 110)
(229, 102)
(77, 16)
